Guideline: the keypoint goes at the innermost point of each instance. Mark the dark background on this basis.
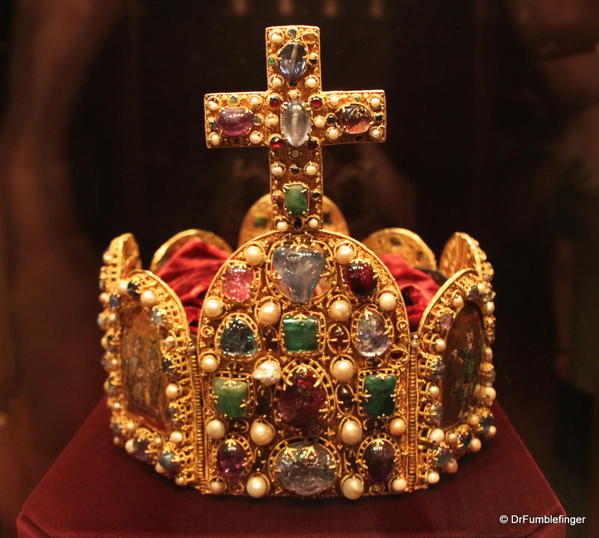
(102, 134)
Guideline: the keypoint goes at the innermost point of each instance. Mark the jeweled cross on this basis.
(294, 118)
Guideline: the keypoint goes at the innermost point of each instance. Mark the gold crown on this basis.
(305, 375)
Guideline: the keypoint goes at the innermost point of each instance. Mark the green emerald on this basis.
(300, 334)
(231, 395)
(296, 199)
(261, 222)
(233, 99)
(271, 60)
(380, 400)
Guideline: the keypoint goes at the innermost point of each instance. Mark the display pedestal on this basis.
(95, 489)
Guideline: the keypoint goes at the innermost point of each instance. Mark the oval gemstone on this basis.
(169, 462)
(360, 278)
(372, 336)
(302, 401)
(292, 60)
(235, 121)
(354, 118)
(442, 456)
(238, 339)
(345, 398)
(237, 282)
(299, 271)
(379, 458)
(295, 122)
(305, 468)
(230, 459)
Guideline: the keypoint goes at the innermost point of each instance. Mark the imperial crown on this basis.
(304, 363)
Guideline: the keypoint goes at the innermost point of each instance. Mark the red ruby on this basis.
(300, 405)
(237, 282)
(276, 142)
(360, 277)
(275, 102)
(316, 102)
(230, 459)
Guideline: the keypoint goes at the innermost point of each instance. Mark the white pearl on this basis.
(352, 487)
(310, 169)
(489, 307)
(343, 369)
(345, 254)
(399, 485)
(276, 82)
(256, 486)
(475, 445)
(130, 426)
(106, 258)
(111, 318)
(375, 133)
(212, 105)
(451, 466)
(209, 363)
(293, 94)
(176, 437)
(214, 139)
(451, 438)
(269, 313)
(473, 420)
(261, 433)
(282, 226)
(172, 391)
(169, 342)
(375, 103)
(255, 101)
(488, 353)
(387, 301)
(148, 298)
(213, 307)
(489, 394)
(159, 468)
(440, 345)
(340, 310)
(311, 82)
(333, 133)
(123, 287)
(253, 255)
(319, 122)
(130, 446)
(271, 120)
(215, 429)
(256, 137)
(333, 100)
(436, 435)
(180, 481)
(276, 38)
(313, 223)
(104, 298)
(492, 432)
(432, 477)
(434, 391)
(482, 288)
(277, 169)
(217, 487)
(268, 372)
(458, 302)
(397, 426)
(351, 432)
(157, 442)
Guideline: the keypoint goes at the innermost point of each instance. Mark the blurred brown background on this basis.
(494, 130)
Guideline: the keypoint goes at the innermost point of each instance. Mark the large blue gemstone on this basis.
(299, 270)
(238, 339)
(292, 60)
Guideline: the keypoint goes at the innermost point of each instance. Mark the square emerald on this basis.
(381, 395)
(300, 333)
(231, 396)
(296, 199)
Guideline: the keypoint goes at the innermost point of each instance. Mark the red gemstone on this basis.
(275, 102)
(230, 459)
(316, 102)
(237, 282)
(360, 277)
(354, 118)
(300, 405)
(276, 142)
(338, 338)
(378, 457)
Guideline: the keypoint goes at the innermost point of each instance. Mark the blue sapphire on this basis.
(238, 339)
(169, 462)
(292, 60)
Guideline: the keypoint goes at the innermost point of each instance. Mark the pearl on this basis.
(255, 101)
(351, 432)
(256, 137)
(293, 94)
(451, 438)
(175, 437)
(397, 426)
(433, 477)
(475, 445)
(216, 486)
(482, 288)
(436, 435)
(130, 446)
(282, 226)
(123, 287)
(375, 103)
(311, 82)
(214, 139)
(489, 394)
(180, 481)
(271, 120)
(209, 363)
(387, 301)
(268, 372)
(313, 223)
(311, 169)
(262, 433)
(319, 122)
(333, 133)
(130, 426)
(488, 353)
(399, 485)
(276, 82)
(256, 486)
(440, 345)
(352, 487)
(106, 258)
(116, 441)
(148, 298)
(434, 391)
(491, 432)
(451, 466)
(340, 310)
(277, 169)
(276, 38)
(489, 307)
(333, 100)
(253, 255)
(215, 429)
(111, 318)
(172, 391)
(104, 298)
(169, 342)
(343, 369)
(212, 105)
(159, 468)
(213, 307)
(473, 420)
(345, 254)
(375, 133)
(157, 442)
(269, 313)
(458, 302)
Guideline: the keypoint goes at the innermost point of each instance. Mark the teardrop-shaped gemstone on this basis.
(301, 403)
(299, 271)
(378, 457)
(354, 118)
(238, 339)
(305, 468)
(360, 278)
(235, 121)
(237, 282)
(292, 60)
(295, 122)
(372, 337)
(345, 398)
(231, 458)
